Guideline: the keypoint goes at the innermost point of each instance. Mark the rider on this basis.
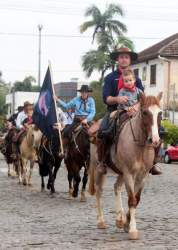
(84, 106)
(112, 85)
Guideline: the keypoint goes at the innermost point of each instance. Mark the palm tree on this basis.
(123, 41)
(105, 24)
(96, 60)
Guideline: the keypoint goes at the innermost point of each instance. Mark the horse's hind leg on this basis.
(84, 181)
(120, 219)
(99, 188)
(30, 173)
(9, 170)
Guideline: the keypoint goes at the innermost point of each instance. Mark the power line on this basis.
(69, 36)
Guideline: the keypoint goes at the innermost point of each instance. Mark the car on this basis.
(171, 153)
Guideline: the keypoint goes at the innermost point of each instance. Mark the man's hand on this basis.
(133, 109)
(122, 99)
(84, 122)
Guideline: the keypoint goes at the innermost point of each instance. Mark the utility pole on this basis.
(39, 54)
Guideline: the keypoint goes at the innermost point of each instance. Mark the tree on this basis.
(97, 95)
(96, 60)
(108, 33)
(26, 85)
(105, 24)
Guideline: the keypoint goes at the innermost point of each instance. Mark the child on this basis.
(129, 90)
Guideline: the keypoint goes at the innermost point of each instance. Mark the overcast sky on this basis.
(148, 22)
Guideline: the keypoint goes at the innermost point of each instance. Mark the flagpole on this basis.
(60, 136)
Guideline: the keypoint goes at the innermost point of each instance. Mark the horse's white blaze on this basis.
(155, 135)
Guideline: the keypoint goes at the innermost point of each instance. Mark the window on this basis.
(153, 74)
(136, 72)
(144, 73)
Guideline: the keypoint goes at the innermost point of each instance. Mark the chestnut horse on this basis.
(133, 155)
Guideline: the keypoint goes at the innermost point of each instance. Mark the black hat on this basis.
(85, 88)
(123, 50)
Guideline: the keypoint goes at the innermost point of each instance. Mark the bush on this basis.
(172, 132)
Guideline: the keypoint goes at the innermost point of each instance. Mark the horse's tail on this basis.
(92, 171)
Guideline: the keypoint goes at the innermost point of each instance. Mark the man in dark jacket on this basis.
(112, 85)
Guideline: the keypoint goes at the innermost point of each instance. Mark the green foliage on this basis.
(3, 92)
(26, 85)
(108, 33)
(97, 95)
(172, 132)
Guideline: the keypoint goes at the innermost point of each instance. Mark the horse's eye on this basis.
(145, 112)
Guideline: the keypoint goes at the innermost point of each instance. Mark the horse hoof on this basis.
(25, 183)
(48, 186)
(134, 235)
(126, 228)
(83, 197)
(9, 174)
(74, 195)
(30, 184)
(120, 223)
(101, 225)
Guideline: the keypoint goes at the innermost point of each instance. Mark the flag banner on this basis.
(44, 115)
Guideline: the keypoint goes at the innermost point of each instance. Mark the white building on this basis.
(157, 67)
(16, 99)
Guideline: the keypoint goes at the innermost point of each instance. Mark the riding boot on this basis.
(101, 151)
(155, 170)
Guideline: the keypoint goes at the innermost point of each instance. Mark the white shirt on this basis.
(69, 117)
(20, 118)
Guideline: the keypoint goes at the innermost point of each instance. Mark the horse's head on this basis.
(34, 136)
(151, 114)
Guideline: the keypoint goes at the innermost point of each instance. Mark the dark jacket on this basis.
(110, 88)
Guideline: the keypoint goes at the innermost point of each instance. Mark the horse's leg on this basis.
(24, 170)
(84, 181)
(70, 178)
(120, 219)
(77, 180)
(50, 180)
(99, 189)
(9, 170)
(31, 172)
(20, 171)
(42, 184)
(132, 203)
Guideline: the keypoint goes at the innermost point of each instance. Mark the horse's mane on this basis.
(150, 101)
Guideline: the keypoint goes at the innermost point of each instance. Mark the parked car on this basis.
(171, 153)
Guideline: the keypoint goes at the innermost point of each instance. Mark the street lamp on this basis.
(39, 54)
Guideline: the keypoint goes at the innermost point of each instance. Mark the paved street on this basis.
(30, 219)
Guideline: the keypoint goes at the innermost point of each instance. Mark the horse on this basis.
(9, 151)
(28, 147)
(49, 160)
(78, 156)
(133, 155)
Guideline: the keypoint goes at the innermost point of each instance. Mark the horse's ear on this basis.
(160, 95)
(142, 98)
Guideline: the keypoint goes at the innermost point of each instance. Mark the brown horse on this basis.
(133, 155)
(9, 151)
(78, 156)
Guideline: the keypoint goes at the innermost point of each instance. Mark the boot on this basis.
(101, 151)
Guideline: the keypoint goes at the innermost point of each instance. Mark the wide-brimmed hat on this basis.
(85, 88)
(123, 50)
(27, 103)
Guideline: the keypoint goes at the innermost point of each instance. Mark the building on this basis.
(157, 67)
(67, 90)
(16, 99)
